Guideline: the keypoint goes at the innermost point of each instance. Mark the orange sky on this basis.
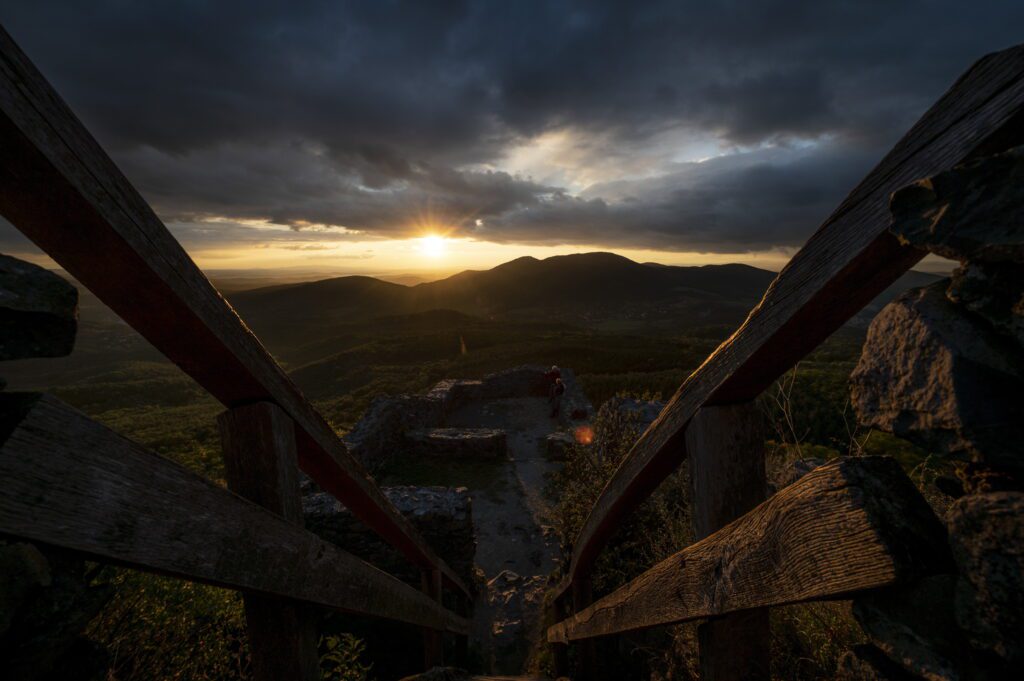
(426, 257)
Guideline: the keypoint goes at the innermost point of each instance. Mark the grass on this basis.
(165, 629)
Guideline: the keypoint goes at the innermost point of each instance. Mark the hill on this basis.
(588, 288)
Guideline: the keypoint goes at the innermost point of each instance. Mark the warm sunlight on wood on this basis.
(433, 246)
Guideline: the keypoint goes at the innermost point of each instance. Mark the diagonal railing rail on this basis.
(62, 191)
(849, 260)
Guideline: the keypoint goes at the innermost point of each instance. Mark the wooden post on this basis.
(462, 640)
(586, 650)
(556, 612)
(433, 640)
(725, 446)
(258, 442)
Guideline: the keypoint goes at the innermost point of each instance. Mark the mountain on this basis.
(588, 287)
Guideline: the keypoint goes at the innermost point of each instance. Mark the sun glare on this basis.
(433, 246)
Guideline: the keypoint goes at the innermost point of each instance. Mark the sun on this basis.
(433, 246)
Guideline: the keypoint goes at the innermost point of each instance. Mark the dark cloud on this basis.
(372, 115)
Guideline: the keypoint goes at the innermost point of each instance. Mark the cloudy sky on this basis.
(336, 135)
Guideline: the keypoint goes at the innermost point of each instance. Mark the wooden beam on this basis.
(845, 264)
(587, 668)
(59, 188)
(727, 479)
(851, 525)
(70, 482)
(258, 442)
(433, 642)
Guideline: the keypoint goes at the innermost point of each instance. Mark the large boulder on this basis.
(972, 212)
(915, 625)
(38, 311)
(986, 533)
(936, 374)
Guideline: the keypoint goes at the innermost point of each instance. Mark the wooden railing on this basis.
(845, 264)
(70, 482)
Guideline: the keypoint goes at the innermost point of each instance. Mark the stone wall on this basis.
(943, 366)
(488, 443)
(443, 516)
(394, 424)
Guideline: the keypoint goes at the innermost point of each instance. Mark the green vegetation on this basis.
(810, 416)
(162, 629)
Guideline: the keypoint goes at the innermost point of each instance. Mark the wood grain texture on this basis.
(585, 652)
(851, 525)
(728, 479)
(841, 268)
(60, 188)
(70, 482)
(258, 443)
(727, 466)
(433, 642)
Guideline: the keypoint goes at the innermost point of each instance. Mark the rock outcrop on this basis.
(916, 627)
(943, 366)
(986, 533)
(973, 212)
(38, 311)
(934, 373)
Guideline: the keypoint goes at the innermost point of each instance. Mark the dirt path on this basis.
(515, 547)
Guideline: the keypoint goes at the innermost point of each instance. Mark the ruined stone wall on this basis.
(394, 424)
(943, 366)
(443, 516)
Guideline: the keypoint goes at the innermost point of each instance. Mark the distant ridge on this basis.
(566, 284)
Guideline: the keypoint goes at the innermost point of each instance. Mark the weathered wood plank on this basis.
(844, 265)
(727, 479)
(70, 482)
(260, 464)
(587, 668)
(59, 188)
(851, 525)
(433, 642)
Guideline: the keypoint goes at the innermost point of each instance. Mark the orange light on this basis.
(584, 435)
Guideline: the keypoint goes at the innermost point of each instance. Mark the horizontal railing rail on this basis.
(845, 527)
(844, 265)
(61, 190)
(73, 483)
